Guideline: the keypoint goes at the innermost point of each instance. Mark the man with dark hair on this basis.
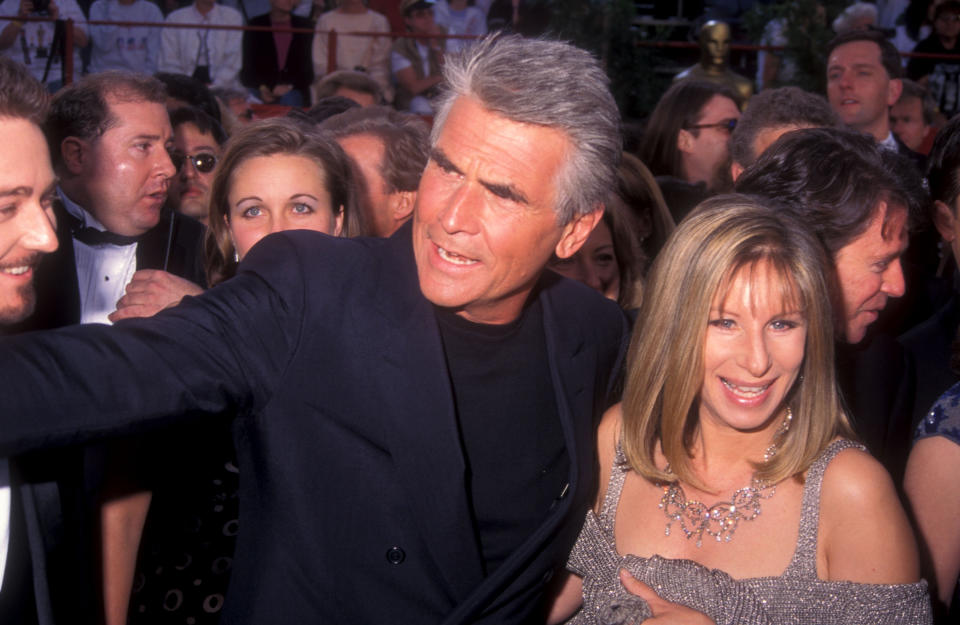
(415, 414)
(198, 141)
(685, 142)
(109, 136)
(772, 113)
(46, 560)
(390, 149)
(416, 63)
(912, 117)
(863, 82)
(858, 199)
(840, 184)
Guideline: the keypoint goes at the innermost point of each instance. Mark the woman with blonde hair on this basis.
(732, 491)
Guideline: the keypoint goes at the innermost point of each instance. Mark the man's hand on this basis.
(664, 612)
(149, 292)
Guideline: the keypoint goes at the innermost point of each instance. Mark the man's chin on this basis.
(18, 305)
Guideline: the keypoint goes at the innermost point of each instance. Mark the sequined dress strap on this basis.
(804, 563)
(618, 474)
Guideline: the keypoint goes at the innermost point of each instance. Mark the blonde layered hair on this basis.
(723, 236)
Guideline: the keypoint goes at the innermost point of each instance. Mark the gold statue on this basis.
(713, 65)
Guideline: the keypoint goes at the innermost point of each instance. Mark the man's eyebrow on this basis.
(21, 190)
(505, 191)
(437, 156)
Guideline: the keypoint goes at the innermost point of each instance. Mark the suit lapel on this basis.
(424, 434)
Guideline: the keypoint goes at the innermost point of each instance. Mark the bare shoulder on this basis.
(864, 532)
(608, 434)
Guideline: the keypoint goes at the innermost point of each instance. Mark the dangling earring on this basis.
(236, 256)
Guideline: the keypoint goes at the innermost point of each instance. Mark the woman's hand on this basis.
(150, 291)
(664, 612)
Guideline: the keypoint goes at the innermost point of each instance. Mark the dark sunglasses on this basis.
(204, 162)
(723, 124)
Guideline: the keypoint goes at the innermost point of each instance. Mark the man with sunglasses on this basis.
(703, 145)
(198, 141)
(109, 137)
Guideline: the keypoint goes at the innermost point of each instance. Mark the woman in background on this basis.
(275, 175)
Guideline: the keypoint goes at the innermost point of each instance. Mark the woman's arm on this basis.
(567, 594)
(934, 497)
(864, 533)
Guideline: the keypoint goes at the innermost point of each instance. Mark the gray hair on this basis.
(857, 11)
(778, 108)
(545, 83)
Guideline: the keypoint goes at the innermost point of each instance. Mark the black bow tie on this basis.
(92, 236)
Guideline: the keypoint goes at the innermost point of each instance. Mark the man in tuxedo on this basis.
(414, 415)
(109, 136)
(44, 569)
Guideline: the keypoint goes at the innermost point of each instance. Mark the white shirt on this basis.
(889, 143)
(103, 271)
(132, 48)
(32, 46)
(222, 50)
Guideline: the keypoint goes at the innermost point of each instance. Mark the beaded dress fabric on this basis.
(794, 597)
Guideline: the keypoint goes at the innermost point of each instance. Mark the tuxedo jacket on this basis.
(57, 496)
(353, 495)
(260, 56)
(174, 244)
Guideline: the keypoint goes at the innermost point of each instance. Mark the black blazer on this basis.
(353, 503)
(260, 57)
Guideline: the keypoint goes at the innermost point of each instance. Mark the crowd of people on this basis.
(282, 61)
(345, 364)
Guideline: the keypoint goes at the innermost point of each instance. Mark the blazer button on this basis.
(396, 555)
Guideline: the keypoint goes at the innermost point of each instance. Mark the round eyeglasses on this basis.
(204, 162)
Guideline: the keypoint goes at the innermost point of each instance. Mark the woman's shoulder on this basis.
(864, 530)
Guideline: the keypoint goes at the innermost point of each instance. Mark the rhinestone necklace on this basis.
(722, 518)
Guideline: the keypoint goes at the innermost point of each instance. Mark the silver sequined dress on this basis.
(795, 597)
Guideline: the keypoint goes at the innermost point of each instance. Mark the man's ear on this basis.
(74, 153)
(684, 140)
(735, 170)
(576, 233)
(401, 205)
(944, 219)
(894, 89)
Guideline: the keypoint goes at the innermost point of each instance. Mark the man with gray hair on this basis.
(772, 113)
(415, 414)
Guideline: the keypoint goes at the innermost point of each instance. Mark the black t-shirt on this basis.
(513, 443)
(944, 75)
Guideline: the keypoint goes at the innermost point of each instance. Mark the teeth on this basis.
(745, 391)
(454, 258)
(17, 271)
